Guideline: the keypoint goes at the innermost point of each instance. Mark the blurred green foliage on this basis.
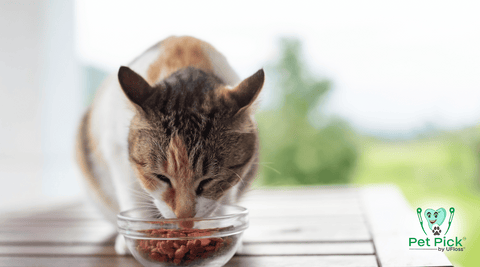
(294, 149)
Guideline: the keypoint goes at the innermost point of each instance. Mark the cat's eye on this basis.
(199, 190)
(164, 179)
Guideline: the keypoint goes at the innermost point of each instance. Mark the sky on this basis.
(396, 67)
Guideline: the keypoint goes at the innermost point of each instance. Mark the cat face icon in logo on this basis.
(435, 219)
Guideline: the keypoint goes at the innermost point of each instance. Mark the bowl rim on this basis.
(243, 211)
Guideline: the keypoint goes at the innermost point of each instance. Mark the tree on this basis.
(293, 149)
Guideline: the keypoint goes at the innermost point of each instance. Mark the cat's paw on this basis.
(239, 249)
(121, 246)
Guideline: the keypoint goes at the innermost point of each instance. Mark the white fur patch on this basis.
(205, 207)
(164, 209)
(121, 246)
(142, 64)
(221, 68)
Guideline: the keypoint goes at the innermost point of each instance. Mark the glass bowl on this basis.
(210, 241)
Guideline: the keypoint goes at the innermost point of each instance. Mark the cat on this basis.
(174, 131)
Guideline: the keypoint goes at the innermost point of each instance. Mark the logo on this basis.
(435, 219)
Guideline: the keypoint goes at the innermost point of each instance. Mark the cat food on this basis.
(183, 250)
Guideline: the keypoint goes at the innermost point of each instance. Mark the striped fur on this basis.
(175, 127)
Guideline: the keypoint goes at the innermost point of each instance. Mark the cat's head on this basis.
(192, 137)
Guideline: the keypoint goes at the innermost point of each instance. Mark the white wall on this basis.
(20, 62)
(40, 102)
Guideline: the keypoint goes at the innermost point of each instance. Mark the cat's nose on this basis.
(185, 211)
(184, 206)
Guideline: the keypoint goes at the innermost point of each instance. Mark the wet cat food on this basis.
(184, 250)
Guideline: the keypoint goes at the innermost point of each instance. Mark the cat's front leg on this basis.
(240, 248)
(121, 246)
(124, 184)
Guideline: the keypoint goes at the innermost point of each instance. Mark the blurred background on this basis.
(357, 92)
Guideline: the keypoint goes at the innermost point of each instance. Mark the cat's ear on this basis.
(134, 86)
(247, 91)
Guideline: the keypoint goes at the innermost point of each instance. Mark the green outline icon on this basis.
(419, 214)
(452, 212)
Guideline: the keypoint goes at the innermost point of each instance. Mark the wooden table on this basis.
(314, 226)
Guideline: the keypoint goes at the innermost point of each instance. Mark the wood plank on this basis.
(57, 250)
(237, 261)
(301, 211)
(306, 249)
(298, 200)
(15, 223)
(391, 237)
(298, 207)
(306, 193)
(319, 195)
(62, 235)
(289, 261)
(42, 208)
(248, 249)
(318, 229)
(303, 190)
(69, 261)
(306, 234)
(76, 210)
(66, 215)
(303, 201)
(342, 220)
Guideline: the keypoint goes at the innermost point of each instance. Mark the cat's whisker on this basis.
(132, 184)
(144, 196)
(146, 207)
(140, 196)
(137, 192)
(271, 168)
(240, 178)
(144, 201)
(149, 204)
(133, 189)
